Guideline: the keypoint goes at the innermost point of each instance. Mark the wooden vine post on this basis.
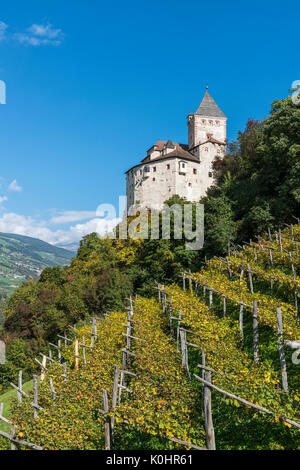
(203, 377)
(224, 305)
(241, 322)
(250, 278)
(209, 427)
(178, 329)
(210, 299)
(107, 430)
(115, 396)
(52, 390)
(255, 333)
(76, 354)
(20, 387)
(281, 351)
(35, 396)
(184, 351)
(44, 362)
(295, 284)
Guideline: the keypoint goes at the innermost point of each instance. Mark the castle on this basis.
(187, 170)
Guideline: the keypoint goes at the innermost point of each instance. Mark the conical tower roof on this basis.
(208, 107)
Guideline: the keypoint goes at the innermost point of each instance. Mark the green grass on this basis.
(7, 398)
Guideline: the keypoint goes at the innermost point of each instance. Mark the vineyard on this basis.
(210, 363)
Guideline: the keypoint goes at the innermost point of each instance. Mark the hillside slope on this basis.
(24, 257)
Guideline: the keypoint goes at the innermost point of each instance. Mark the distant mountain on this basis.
(24, 257)
(69, 246)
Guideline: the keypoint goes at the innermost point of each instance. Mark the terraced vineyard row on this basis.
(238, 292)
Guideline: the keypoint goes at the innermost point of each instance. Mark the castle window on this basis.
(182, 167)
(141, 172)
(190, 184)
(154, 168)
(194, 171)
(168, 166)
(153, 179)
(210, 174)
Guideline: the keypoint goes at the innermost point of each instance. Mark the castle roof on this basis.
(211, 140)
(160, 145)
(178, 152)
(208, 107)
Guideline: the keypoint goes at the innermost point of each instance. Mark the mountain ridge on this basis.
(23, 257)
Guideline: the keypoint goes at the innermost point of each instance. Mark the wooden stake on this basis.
(203, 377)
(241, 322)
(115, 386)
(280, 240)
(44, 362)
(270, 235)
(255, 333)
(93, 333)
(83, 350)
(271, 258)
(250, 278)
(178, 329)
(184, 351)
(107, 421)
(224, 305)
(281, 351)
(170, 317)
(271, 285)
(295, 284)
(35, 396)
(228, 268)
(210, 299)
(65, 371)
(59, 350)
(209, 427)
(52, 390)
(76, 355)
(20, 387)
(115, 396)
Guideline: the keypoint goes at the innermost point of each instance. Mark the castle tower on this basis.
(207, 122)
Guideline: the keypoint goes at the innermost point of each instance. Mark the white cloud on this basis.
(45, 31)
(14, 186)
(3, 28)
(39, 35)
(25, 225)
(72, 216)
(2, 199)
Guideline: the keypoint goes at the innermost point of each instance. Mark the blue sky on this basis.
(91, 85)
